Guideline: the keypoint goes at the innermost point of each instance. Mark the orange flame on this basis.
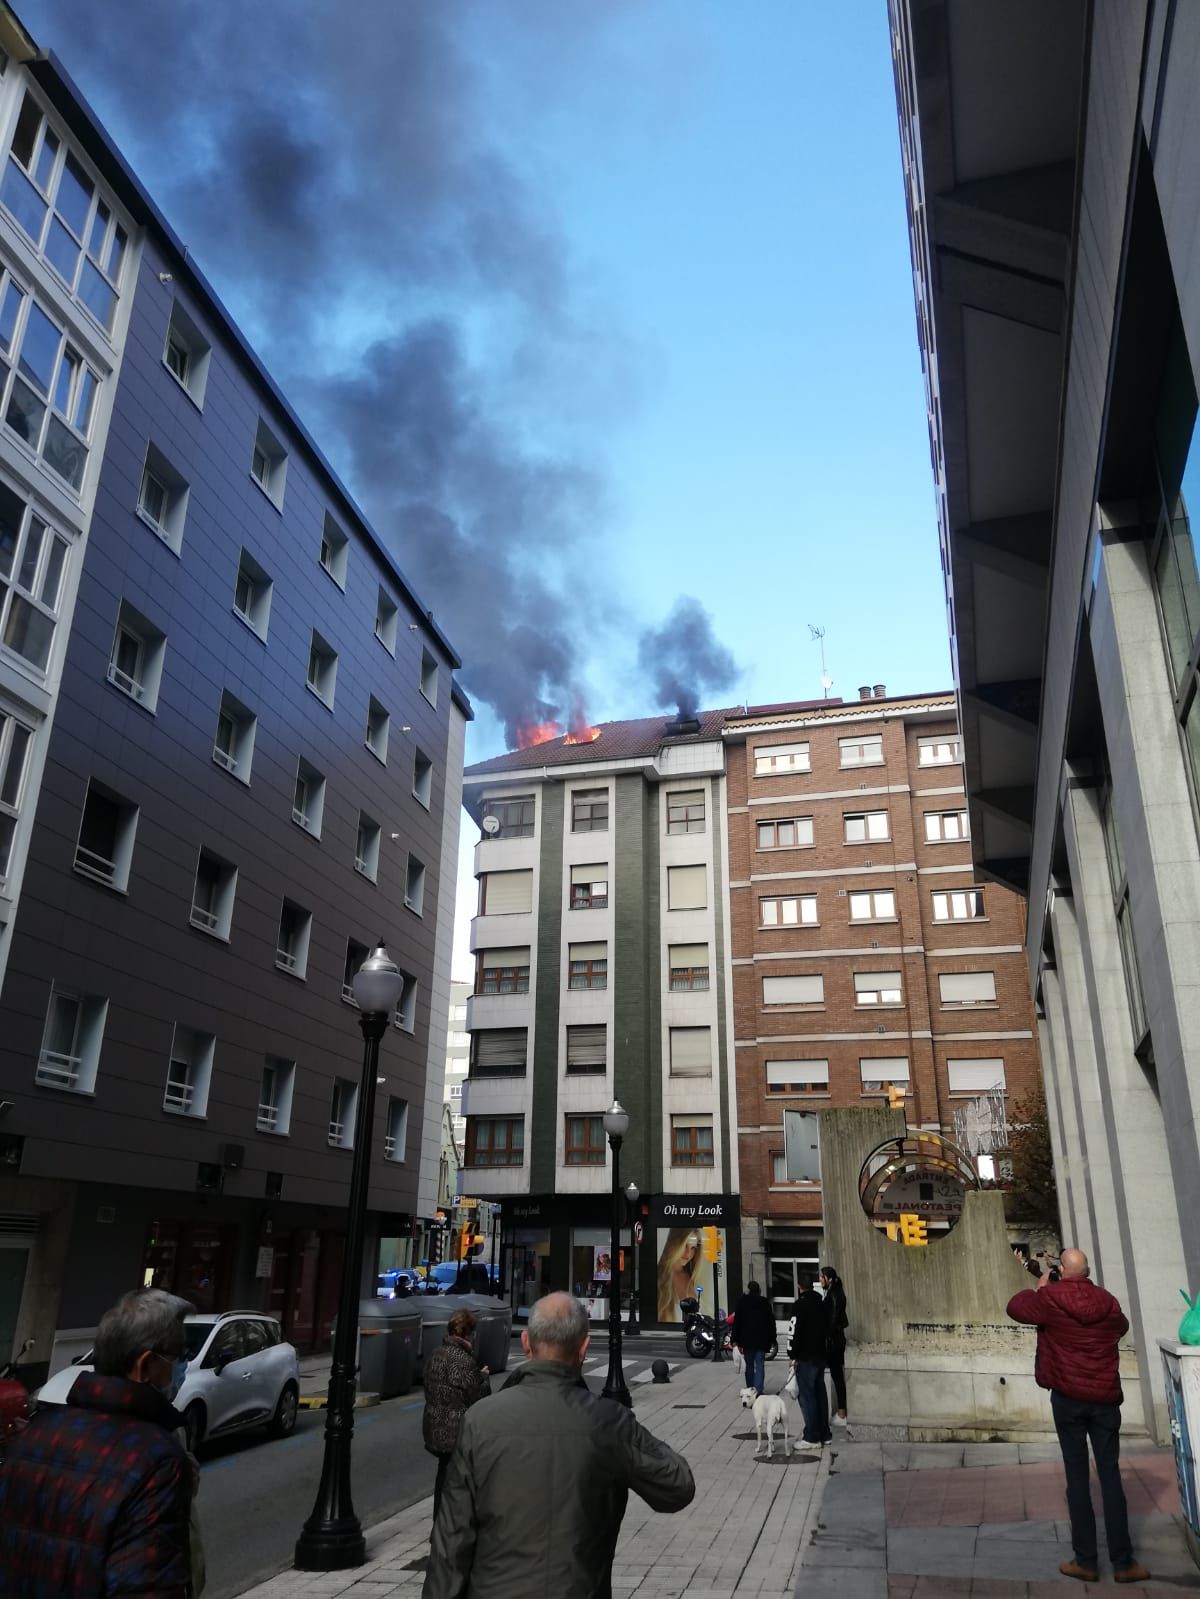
(582, 735)
(530, 733)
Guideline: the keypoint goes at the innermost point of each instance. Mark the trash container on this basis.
(389, 1333)
(493, 1333)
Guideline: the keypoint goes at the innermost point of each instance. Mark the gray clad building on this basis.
(1052, 185)
(230, 761)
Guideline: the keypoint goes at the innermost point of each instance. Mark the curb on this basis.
(321, 1401)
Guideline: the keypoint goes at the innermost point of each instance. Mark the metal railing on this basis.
(93, 864)
(58, 1071)
(122, 680)
(209, 920)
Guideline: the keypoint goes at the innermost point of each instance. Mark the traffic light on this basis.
(712, 1244)
(435, 1245)
(913, 1229)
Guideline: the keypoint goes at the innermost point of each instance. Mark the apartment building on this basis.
(230, 758)
(867, 955)
(602, 965)
(458, 1060)
(1052, 191)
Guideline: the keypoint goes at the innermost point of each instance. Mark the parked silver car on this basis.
(241, 1374)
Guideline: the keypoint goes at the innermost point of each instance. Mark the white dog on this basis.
(769, 1412)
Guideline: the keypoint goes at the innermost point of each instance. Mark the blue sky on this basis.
(594, 303)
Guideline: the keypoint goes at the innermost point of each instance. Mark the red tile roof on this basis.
(618, 741)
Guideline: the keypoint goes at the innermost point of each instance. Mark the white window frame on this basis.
(166, 523)
(422, 785)
(414, 886)
(387, 620)
(48, 417)
(680, 887)
(803, 838)
(189, 1072)
(73, 1070)
(88, 863)
(806, 913)
(689, 1052)
(771, 759)
(16, 741)
(259, 587)
(865, 749)
(343, 1111)
(236, 757)
(185, 335)
(429, 675)
(813, 990)
(960, 979)
(866, 827)
(379, 726)
(366, 847)
(308, 797)
(875, 1072)
(215, 922)
(143, 683)
(807, 1077)
(32, 589)
(320, 675)
(294, 959)
(877, 898)
(276, 1088)
(395, 1139)
(968, 1077)
(940, 749)
(954, 904)
(334, 552)
(936, 824)
(871, 989)
(268, 464)
(405, 1016)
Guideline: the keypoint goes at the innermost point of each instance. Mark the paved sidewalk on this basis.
(979, 1521)
(739, 1539)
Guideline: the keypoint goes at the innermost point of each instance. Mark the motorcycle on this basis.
(700, 1331)
(16, 1402)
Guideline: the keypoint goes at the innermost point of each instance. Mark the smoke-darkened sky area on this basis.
(602, 308)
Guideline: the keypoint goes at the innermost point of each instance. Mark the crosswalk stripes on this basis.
(637, 1367)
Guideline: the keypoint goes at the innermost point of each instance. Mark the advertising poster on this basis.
(683, 1271)
(602, 1266)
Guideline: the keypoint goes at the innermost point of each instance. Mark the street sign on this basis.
(639, 1232)
(712, 1244)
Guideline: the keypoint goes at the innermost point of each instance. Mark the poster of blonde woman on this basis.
(682, 1271)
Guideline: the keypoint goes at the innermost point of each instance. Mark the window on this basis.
(189, 1072)
(335, 551)
(942, 827)
(291, 944)
(975, 1076)
(877, 906)
(233, 744)
(967, 988)
(798, 910)
(865, 827)
(429, 676)
(70, 1053)
(503, 971)
(268, 464)
(54, 201)
(793, 832)
(51, 389)
(356, 953)
(778, 1168)
(802, 1147)
(797, 1076)
(883, 1071)
(589, 810)
(275, 1095)
(15, 740)
(958, 905)
(422, 779)
(386, 618)
(499, 1051)
(322, 669)
(308, 801)
(252, 595)
(33, 561)
(877, 988)
(506, 893)
(587, 1050)
(163, 498)
(587, 965)
(943, 749)
(772, 758)
(865, 750)
(685, 811)
(691, 1141)
(395, 1140)
(378, 726)
(107, 826)
(213, 895)
(687, 888)
(690, 1051)
(806, 990)
(495, 1141)
(343, 1108)
(186, 354)
(406, 1007)
(589, 888)
(366, 848)
(414, 885)
(585, 1141)
(136, 662)
(514, 815)
(688, 967)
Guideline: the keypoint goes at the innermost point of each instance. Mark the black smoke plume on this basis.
(683, 659)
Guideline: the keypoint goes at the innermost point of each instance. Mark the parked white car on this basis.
(241, 1374)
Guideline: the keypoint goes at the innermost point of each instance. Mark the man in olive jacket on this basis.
(537, 1487)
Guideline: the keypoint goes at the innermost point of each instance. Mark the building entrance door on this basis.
(784, 1271)
(13, 1262)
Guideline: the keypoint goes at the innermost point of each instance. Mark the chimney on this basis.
(680, 725)
(864, 692)
(880, 691)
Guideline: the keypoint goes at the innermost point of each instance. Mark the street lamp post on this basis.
(632, 1330)
(616, 1125)
(332, 1537)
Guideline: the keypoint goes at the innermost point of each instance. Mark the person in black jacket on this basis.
(838, 1321)
(754, 1333)
(809, 1353)
(454, 1381)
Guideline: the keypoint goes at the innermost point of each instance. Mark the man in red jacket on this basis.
(1079, 1326)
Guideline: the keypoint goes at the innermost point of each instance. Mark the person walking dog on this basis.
(454, 1381)
(1079, 1326)
(754, 1333)
(809, 1351)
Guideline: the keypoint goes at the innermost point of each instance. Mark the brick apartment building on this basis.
(865, 950)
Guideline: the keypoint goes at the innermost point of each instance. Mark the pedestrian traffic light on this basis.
(913, 1229)
(712, 1244)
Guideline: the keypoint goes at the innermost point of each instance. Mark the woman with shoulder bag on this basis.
(454, 1380)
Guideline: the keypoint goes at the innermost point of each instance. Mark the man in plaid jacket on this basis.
(95, 1494)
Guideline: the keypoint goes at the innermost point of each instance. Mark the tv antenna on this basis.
(818, 637)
